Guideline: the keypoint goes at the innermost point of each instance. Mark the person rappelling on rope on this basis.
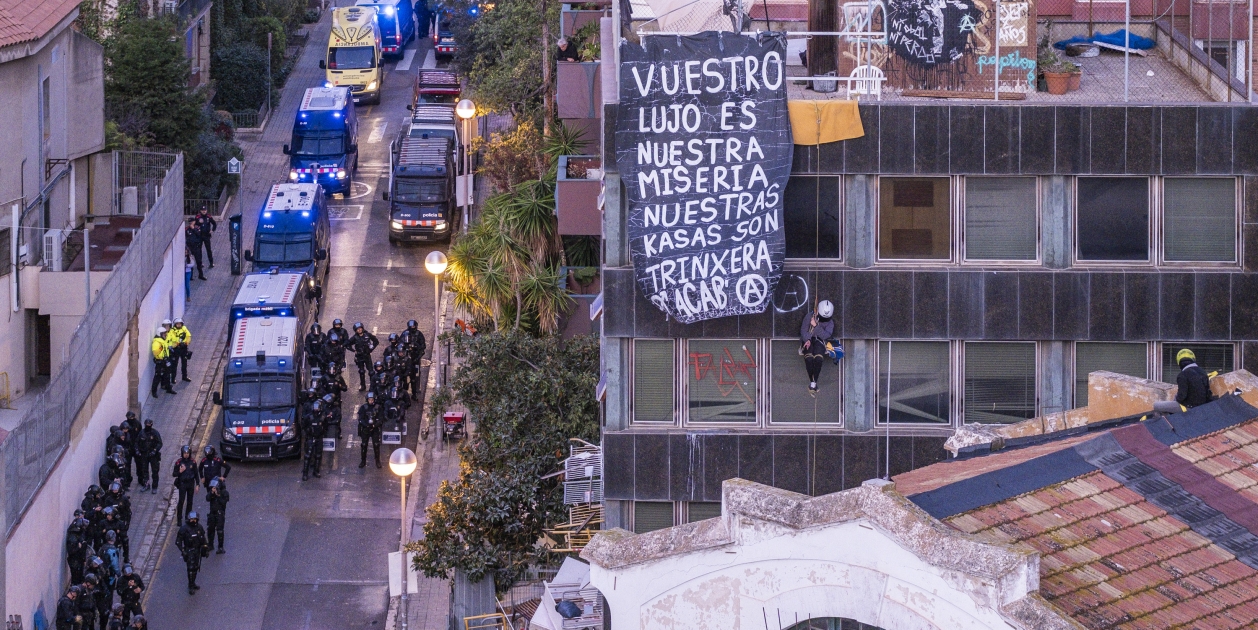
(817, 343)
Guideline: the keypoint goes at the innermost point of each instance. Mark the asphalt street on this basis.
(312, 554)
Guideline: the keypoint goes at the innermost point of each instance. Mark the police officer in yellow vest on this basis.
(161, 363)
(179, 338)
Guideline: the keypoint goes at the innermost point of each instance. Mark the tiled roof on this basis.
(1159, 533)
(26, 20)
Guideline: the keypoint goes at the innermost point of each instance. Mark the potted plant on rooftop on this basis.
(1075, 76)
(1056, 75)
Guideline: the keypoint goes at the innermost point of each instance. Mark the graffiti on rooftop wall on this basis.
(931, 32)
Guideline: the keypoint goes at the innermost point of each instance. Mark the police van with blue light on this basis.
(293, 233)
(261, 386)
(277, 294)
(324, 146)
(421, 189)
(397, 24)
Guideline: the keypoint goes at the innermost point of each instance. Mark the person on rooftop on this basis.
(1194, 383)
(566, 52)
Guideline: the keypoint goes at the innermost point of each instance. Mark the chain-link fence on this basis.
(690, 16)
(32, 449)
(139, 177)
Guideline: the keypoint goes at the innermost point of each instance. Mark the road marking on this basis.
(377, 134)
(379, 308)
(405, 63)
(352, 212)
(430, 60)
(363, 186)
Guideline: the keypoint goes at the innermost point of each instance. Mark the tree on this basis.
(240, 86)
(205, 166)
(529, 396)
(146, 77)
(511, 158)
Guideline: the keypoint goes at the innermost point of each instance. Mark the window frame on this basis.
(842, 210)
(814, 426)
(685, 516)
(962, 204)
(1036, 362)
(633, 383)
(633, 514)
(1238, 202)
(1153, 235)
(1151, 358)
(1160, 347)
(916, 428)
(953, 230)
(760, 403)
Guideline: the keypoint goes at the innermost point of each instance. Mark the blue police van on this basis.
(277, 294)
(324, 147)
(293, 233)
(262, 382)
(397, 24)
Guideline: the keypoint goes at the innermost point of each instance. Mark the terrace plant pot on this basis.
(1058, 82)
(1074, 80)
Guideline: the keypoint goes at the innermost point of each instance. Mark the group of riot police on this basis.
(98, 542)
(391, 383)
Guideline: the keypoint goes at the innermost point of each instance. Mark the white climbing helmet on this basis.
(825, 309)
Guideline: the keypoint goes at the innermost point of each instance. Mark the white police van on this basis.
(261, 384)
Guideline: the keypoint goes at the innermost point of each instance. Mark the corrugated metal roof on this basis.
(27, 20)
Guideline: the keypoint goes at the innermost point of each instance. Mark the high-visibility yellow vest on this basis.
(176, 336)
(161, 351)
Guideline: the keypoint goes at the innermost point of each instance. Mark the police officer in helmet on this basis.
(193, 545)
(370, 426)
(313, 433)
(362, 344)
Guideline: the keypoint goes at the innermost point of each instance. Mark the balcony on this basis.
(580, 90)
(575, 15)
(576, 195)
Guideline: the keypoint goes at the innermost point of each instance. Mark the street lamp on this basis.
(436, 264)
(402, 462)
(466, 110)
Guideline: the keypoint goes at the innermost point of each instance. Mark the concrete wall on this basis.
(166, 301)
(62, 296)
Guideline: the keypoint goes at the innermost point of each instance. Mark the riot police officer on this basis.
(186, 481)
(212, 466)
(68, 617)
(415, 344)
(380, 379)
(338, 340)
(313, 433)
(370, 425)
(130, 591)
(334, 386)
(148, 448)
(218, 497)
(120, 504)
(77, 545)
(104, 594)
(316, 343)
(362, 344)
(397, 358)
(87, 600)
(193, 545)
(116, 622)
(110, 471)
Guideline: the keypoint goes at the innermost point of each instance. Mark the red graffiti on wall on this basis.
(730, 374)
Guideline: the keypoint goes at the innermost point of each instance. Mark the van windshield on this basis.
(258, 393)
(446, 99)
(420, 189)
(318, 143)
(352, 58)
(278, 251)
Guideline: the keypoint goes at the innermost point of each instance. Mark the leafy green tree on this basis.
(529, 395)
(205, 166)
(240, 87)
(146, 78)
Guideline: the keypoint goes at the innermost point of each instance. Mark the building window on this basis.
(6, 252)
(1199, 219)
(649, 516)
(914, 220)
(789, 398)
(45, 95)
(1131, 359)
(920, 383)
(1113, 219)
(1211, 357)
(812, 214)
(696, 511)
(1001, 218)
(723, 381)
(999, 382)
(653, 370)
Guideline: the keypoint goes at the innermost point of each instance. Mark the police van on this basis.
(277, 294)
(397, 24)
(353, 57)
(421, 190)
(324, 147)
(293, 233)
(261, 382)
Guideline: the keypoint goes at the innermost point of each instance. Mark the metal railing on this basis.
(34, 446)
(249, 119)
(138, 179)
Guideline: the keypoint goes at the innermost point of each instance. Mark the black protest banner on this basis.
(703, 143)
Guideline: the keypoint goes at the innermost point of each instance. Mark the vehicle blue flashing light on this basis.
(336, 114)
(283, 362)
(388, 10)
(303, 114)
(327, 84)
(239, 363)
(240, 313)
(305, 213)
(266, 215)
(261, 300)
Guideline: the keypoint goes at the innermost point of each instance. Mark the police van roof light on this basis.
(283, 362)
(261, 357)
(305, 213)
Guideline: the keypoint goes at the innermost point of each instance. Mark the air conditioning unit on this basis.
(54, 240)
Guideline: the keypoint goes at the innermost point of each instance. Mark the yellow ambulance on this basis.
(353, 59)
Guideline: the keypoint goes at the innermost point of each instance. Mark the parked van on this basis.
(353, 57)
(397, 24)
(261, 383)
(421, 191)
(324, 147)
(293, 233)
(276, 294)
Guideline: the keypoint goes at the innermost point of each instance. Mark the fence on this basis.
(249, 119)
(32, 449)
(215, 206)
(138, 179)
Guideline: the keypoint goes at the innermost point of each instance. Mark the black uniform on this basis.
(362, 344)
(316, 346)
(312, 431)
(415, 344)
(130, 592)
(87, 605)
(133, 429)
(103, 596)
(148, 448)
(338, 337)
(107, 473)
(76, 551)
(68, 613)
(206, 225)
(192, 238)
(218, 498)
(1194, 385)
(400, 358)
(370, 425)
(332, 388)
(185, 473)
(193, 545)
(211, 467)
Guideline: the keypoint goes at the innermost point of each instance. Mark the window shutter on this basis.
(1131, 359)
(703, 511)
(653, 380)
(1200, 219)
(999, 382)
(649, 516)
(1000, 219)
(920, 381)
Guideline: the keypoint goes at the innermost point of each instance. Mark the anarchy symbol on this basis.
(752, 290)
